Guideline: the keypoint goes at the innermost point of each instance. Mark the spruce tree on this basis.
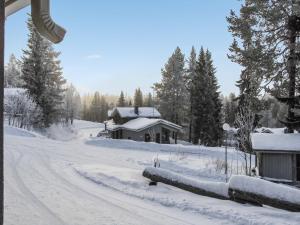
(96, 107)
(171, 92)
(138, 98)
(121, 100)
(103, 109)
(149, 100)
(42, 76)
(190, 77)
(216, 110)
(206, 103)
(199, 94)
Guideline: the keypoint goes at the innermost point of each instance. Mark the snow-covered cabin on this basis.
(121, 115)
(146, 129)
(278, 156)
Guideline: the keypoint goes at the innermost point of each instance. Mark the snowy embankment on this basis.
(130, 182)
(195, 161)
(107, 186)
(155, 147)
(205, 188)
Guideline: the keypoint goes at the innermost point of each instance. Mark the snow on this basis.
(143, 123)
(276, 142)
(13, 91)
(219, 188)
(130, 112)
(88, 180)
(265, 188)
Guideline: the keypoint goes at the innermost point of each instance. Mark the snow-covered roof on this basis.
(276, 142)
(129, 112)
(143, 123)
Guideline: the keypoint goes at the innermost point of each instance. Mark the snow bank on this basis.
(83, 124)
(155, 147)
(218, 188)
(265, 188)
(61, 132)
(14, 131)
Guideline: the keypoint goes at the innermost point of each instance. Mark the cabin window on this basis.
(147, 137)
(298, 166)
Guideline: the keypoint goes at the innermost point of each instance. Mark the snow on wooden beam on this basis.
(210, 189)
(261, 192)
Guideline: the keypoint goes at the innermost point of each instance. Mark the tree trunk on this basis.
(292, 73)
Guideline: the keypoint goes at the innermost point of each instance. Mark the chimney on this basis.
(136, 110)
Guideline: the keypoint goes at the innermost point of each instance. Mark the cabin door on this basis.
(157, 138)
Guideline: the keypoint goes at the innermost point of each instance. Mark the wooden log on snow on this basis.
(256, 191)
(211, 189)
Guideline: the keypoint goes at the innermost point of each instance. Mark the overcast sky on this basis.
(123, 44)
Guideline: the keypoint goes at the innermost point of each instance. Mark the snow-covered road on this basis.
(43, 187)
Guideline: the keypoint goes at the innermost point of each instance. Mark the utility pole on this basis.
(226, 128)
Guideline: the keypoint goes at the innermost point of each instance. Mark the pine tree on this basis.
(138, 98)
(42, 76)
(266, 43)
(121, 101)
(171, 92)
(12, 73)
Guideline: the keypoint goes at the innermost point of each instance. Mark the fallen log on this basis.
(211, 189)
(261, 192)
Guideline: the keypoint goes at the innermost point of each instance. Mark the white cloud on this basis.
(94, 56)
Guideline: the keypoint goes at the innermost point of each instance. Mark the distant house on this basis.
(278, 156)
(141, 124)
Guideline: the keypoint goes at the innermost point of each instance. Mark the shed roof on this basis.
(276, 142)
(143, 123)
(129, 112)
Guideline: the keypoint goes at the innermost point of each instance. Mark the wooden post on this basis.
(2, 22)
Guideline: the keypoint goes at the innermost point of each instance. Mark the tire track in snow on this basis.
(99, 198)
(48, 213)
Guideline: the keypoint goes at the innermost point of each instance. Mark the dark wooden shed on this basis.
(278, 156)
